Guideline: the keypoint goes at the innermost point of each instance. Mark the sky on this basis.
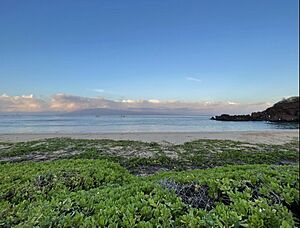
(188, 52)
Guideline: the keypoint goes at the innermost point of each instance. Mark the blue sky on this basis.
(233, 50)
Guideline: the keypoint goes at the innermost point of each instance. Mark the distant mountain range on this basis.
(131, 111)
(110, 111)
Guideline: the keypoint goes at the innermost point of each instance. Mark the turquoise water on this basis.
(131, 123)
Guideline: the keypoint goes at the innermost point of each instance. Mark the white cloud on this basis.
(129, 101)
(65, 102)
(24, 103)
(193, 79)
(232, 103)
(154, 101)
(28, 96)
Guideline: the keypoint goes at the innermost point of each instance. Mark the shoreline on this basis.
(275, 137)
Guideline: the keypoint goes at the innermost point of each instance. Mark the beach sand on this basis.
(265, 137)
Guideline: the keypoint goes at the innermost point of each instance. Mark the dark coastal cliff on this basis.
(286, 110)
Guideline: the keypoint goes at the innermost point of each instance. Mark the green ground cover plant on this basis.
(101, 193)
(65, 182)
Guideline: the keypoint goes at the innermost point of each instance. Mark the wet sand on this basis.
(265, 137)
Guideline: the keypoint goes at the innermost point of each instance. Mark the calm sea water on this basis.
(131, 123)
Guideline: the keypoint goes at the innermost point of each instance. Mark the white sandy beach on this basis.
(266, 137)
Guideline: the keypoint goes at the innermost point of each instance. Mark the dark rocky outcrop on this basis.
(286, 110)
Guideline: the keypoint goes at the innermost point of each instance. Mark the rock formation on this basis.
(286, 110)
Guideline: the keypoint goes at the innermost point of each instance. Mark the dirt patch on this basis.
(40, 156)
(249, 145)
(11, 159)
(4, 147)
(171, 154)
(130, 153)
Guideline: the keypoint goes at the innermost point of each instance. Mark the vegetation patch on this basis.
(147, 158)
(101, 193)
(106, 183)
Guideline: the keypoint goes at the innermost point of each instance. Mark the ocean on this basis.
(131, 123)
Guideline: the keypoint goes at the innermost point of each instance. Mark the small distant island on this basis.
(286, 110)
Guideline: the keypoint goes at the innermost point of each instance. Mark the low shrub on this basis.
(99, 193)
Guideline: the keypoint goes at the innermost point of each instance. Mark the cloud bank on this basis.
(66, 103)
(24, 103)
